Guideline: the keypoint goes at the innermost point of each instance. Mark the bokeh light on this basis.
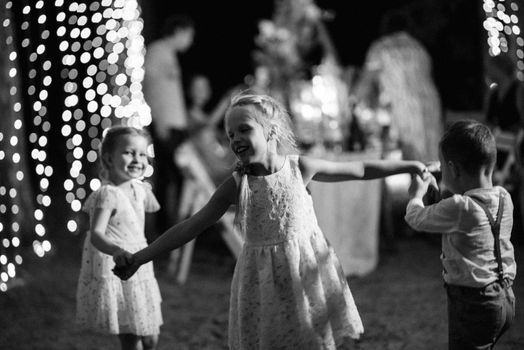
(503, 31)
(99, 73)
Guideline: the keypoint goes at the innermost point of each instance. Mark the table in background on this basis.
(349, 215)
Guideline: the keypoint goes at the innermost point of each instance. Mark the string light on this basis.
(503, 30)
(11, 157)
(101, 71)
(103, 55)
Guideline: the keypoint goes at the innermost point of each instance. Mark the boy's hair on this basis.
(271, 114)
(113, 134)
(177, 22)
(470, 144)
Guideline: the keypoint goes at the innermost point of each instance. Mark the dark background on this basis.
(451, 30)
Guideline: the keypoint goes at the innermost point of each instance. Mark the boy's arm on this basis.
(330, 171)
(442, 217)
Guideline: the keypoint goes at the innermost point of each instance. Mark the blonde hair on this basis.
(275, 120)
(272, 115)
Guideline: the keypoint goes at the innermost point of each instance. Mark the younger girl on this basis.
(130, 309)
(288, 289)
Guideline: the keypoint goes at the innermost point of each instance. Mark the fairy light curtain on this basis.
(14, 194)
(503, 30)
(71, 69)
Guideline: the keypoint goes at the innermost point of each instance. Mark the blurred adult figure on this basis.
(505, 113)
(163, 91)
(209, 142)
(402, 68)
(505, 101)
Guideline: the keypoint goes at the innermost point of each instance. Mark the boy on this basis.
(475, 223)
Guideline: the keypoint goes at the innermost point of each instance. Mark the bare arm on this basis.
(183, 232)
(331, 171)
(98, 227)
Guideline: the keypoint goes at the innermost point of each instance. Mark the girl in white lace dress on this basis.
(129, 309)
(288, 289)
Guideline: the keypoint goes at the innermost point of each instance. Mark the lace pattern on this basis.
(105, 303)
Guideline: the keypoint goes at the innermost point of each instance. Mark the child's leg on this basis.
(478, 317)
(130, 342)
(150, 342)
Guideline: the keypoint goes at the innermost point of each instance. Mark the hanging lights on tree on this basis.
(504, 34)
(91, 55)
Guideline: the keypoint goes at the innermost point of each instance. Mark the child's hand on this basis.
(419, 185)
(426, 169)
(125, 272)
(433, 167)
(122, 258)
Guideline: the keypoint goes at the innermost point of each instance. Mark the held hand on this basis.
(419, 185)
(126, 271)
(122, 258)
(422, 169)
(433, 167)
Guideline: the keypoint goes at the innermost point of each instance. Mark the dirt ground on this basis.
(402, 303)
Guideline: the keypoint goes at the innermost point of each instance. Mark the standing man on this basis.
(163, 91)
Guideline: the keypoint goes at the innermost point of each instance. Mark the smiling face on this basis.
(128, 160)
(247, 138)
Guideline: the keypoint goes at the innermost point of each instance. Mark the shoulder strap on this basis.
(495, 229)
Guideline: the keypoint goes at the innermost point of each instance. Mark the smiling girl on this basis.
(288, 289)
(129, 309)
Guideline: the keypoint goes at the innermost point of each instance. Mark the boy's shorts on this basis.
(479, 316)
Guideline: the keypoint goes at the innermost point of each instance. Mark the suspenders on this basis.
(495, 229)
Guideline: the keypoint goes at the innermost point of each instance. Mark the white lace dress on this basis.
(104, 302)
(288, 289)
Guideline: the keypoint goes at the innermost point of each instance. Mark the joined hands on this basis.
(427, 183)
(125, 264)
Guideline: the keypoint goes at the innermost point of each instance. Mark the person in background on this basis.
(164, 93)
(505, 100)
(401, 68)
(212, 149)
(475, 224)
(130, 309)
(505, 113)
(288, 289)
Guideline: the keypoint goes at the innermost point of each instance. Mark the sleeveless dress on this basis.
(105, 303)
(288, 289)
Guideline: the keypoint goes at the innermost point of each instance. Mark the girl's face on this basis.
(247, 137)
(128, 160)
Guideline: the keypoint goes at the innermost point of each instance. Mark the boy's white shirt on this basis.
(467, 255)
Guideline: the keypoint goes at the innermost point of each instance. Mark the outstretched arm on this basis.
(183, 232)
(331, 171)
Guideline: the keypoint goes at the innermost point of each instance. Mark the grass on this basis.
(402, 303)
